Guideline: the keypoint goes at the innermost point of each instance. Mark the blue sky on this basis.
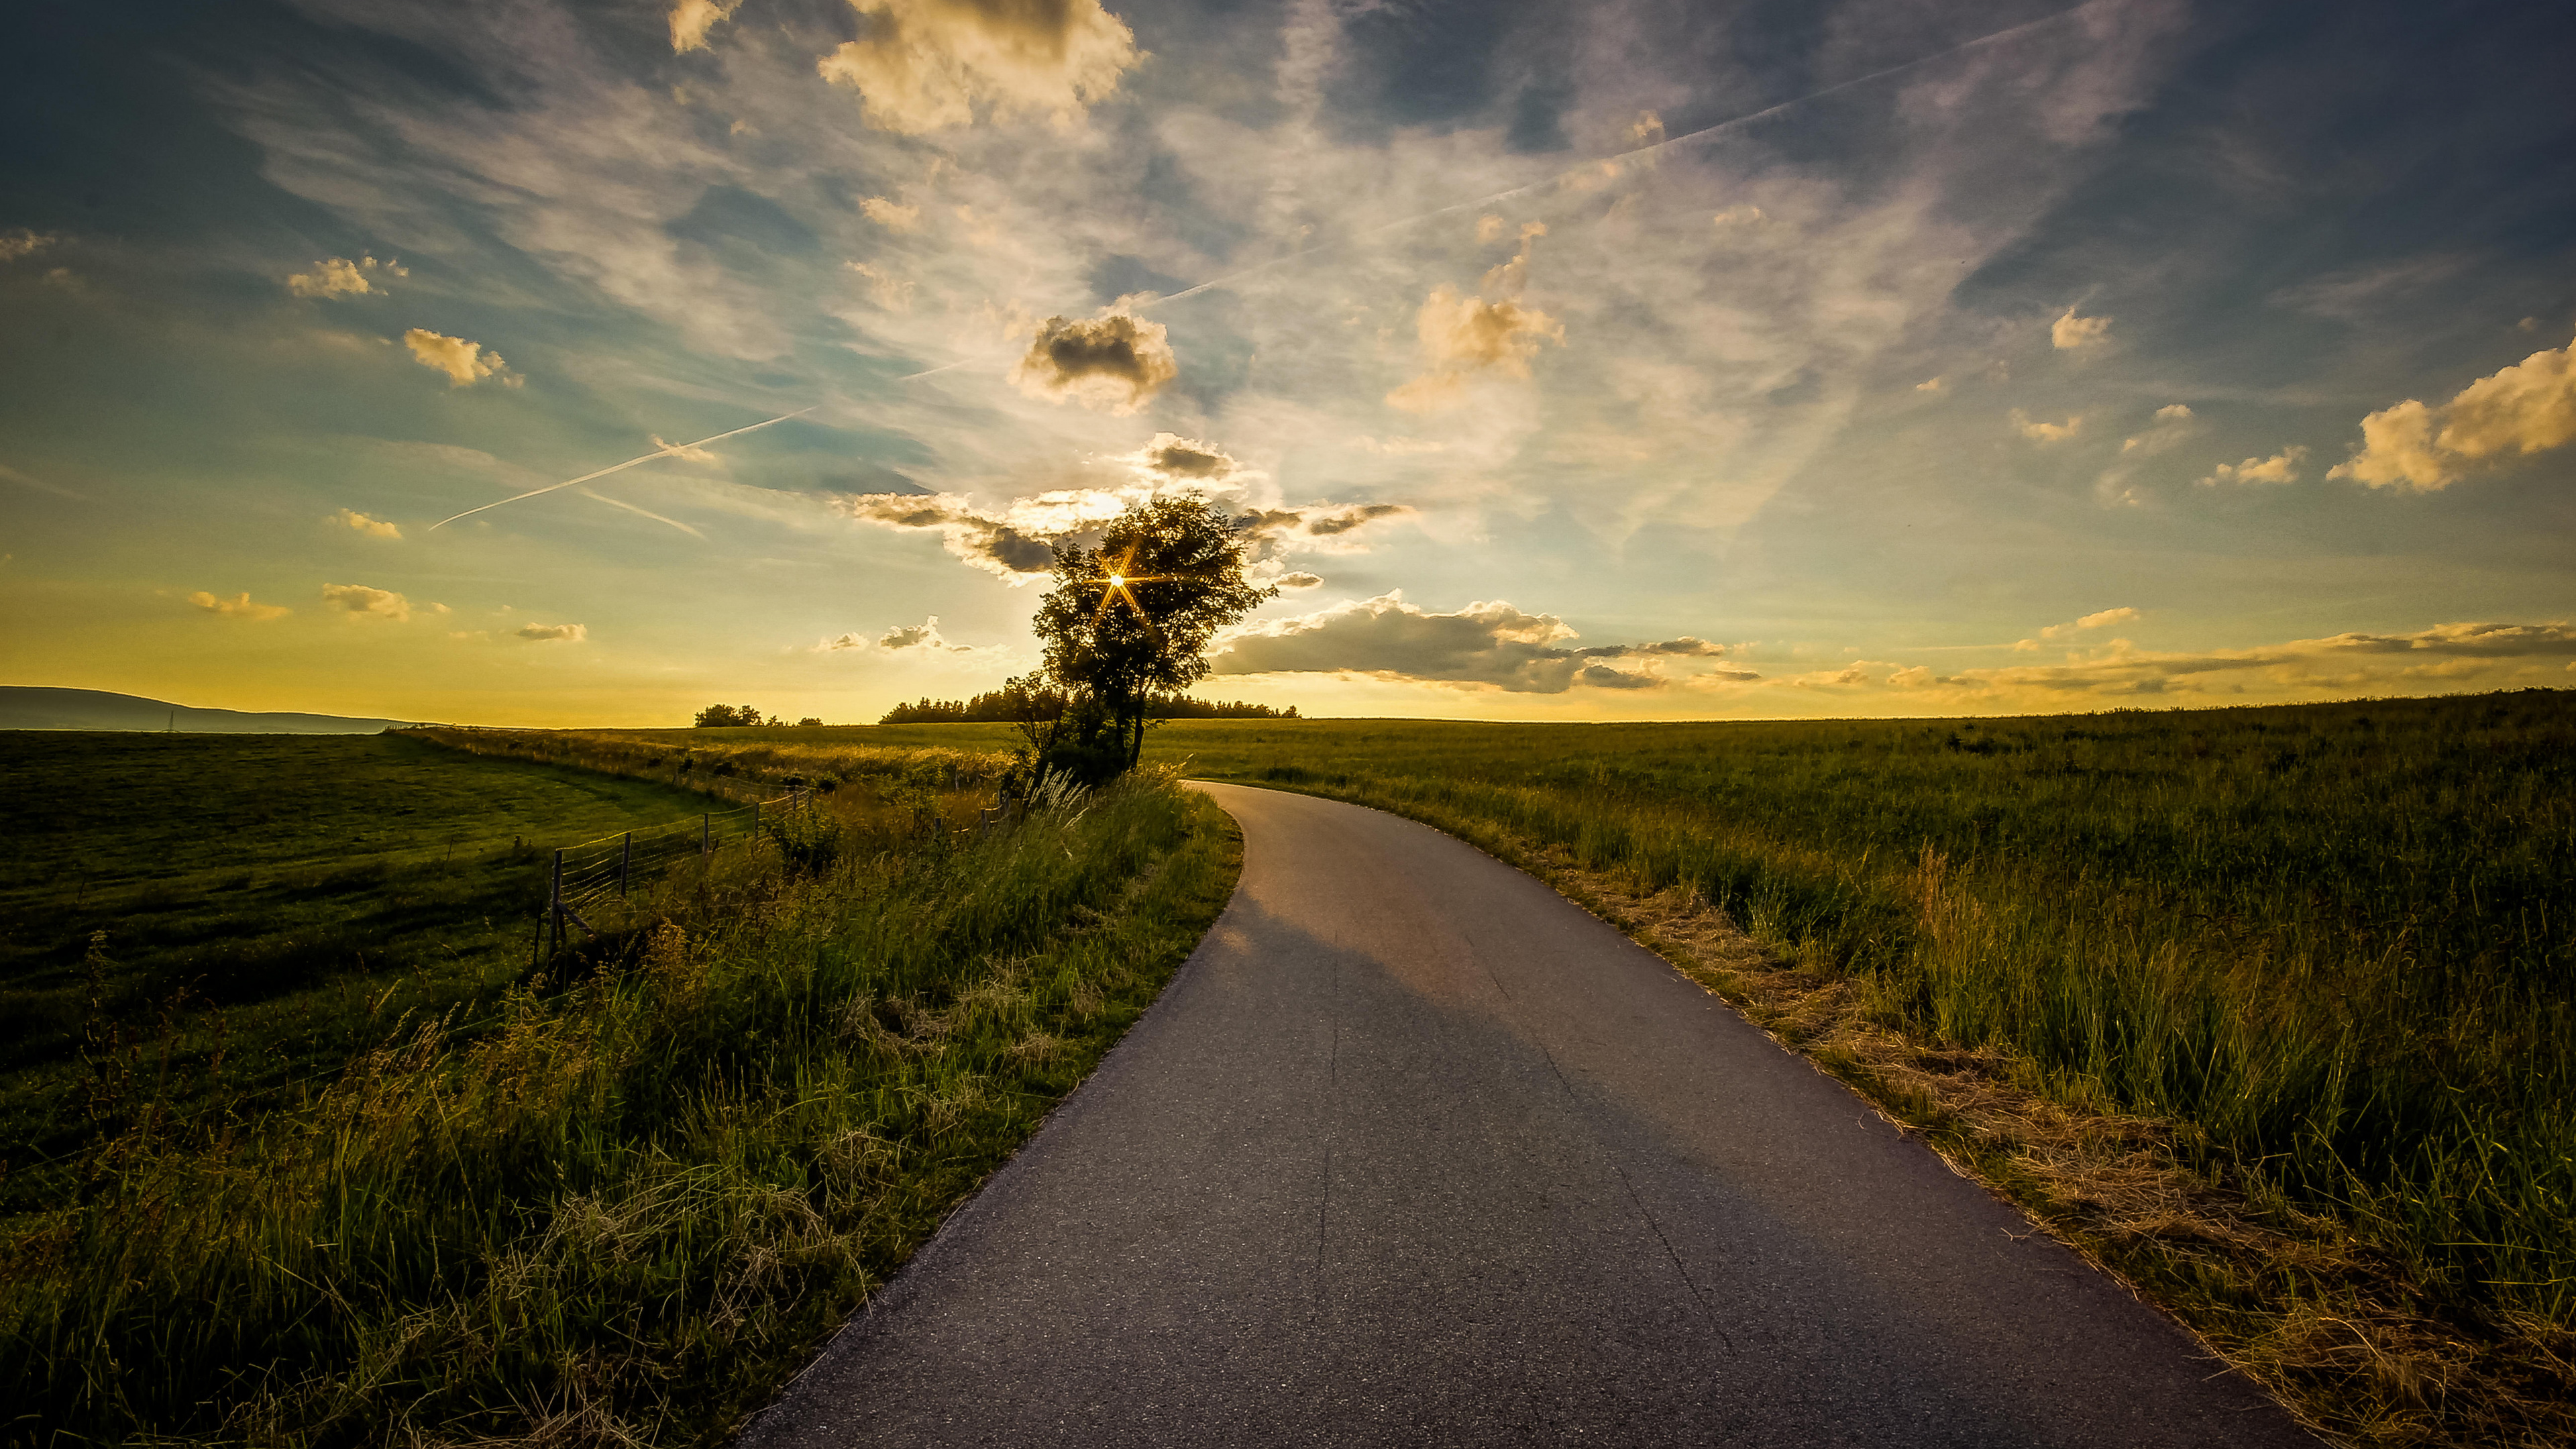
(1603, 361)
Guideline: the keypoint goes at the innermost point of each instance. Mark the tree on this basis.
(728, 716)
(1131, 620)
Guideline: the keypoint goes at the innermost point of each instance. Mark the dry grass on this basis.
(2332, 1324)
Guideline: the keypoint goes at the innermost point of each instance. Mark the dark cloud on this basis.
(1684, 647)
(1181, 457)
(1113, 361)
(1484, 643)
(979, 539)
(1314, 520)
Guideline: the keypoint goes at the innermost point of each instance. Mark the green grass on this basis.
(283, 899)
(627, 1213)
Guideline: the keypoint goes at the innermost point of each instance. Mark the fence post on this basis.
(625, 858)
(706, 836)
(554, 907)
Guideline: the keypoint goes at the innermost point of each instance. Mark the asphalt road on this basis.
(1413, 1151)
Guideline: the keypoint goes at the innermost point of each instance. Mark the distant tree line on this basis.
(737, 716)
(1010, 706)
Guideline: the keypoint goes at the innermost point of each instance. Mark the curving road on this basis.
(1413, 1151)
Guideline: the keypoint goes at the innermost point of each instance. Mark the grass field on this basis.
(680, 1156)
(281, 898)
(2327, 953)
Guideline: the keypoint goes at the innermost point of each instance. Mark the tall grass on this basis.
(625, 1212)
(2339, 942)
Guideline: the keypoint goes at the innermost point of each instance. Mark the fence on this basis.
(589, 878)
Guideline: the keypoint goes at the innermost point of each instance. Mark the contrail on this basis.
(1702, 134)
(667, 450)
(647, 512)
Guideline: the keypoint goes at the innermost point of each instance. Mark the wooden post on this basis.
(706, 836)
(554, 907)
(625, 858)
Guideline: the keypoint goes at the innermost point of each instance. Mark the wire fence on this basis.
(591, 878)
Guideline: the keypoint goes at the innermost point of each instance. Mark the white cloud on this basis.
(692, 19)
(369, 602)
(1115, 361)
(2512, 413)
(465, 363)
(561, 633)
(924, 65)
(1933, 384)
(2101, 619)
(341, 277)
(2045, 432)
(685, 452)
(887, 290)
(357, 522)
(2281, 467)
(1486, 644)
(239, 606)
(2070, 332)
(1465, 338)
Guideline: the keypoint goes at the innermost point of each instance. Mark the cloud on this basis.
(1930, 385)
(2346, 663)
(2173, 423)
(2100, 620)
(1467, 337)
(2070, 332)
(465, 363)
(360, 599)
(341, 277)
(1321, 526)
(1299, 581)
(923, 637)
(1737, 216)
(24, 243)
(887, 290)
(2517, 411)
(372, 527)
(2281, 467)
(1173, 456)
(978, 539)
(892, 215)
(564, 633)
(921, 65)
(2351, 295)
(692, 19)
(1509, 278)
(238, 606)
(1115, 361)
(2040, 432)
(24, 480)
(1486, 644)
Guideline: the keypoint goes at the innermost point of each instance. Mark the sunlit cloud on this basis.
(341, 277)
(1115, 362)
(2039, 431)
(692, 19)
(892, 215)
(2070, 332)
(2458, 655)
(2281, 467)
(1931, 384)
(925, 65)
(2512, 413)
(1465, 338)
(356, 522)
(465, 363)
(553, 633)
(368, 602)
(977, 539)
(887, 290)
(2101, 619)
(239, 606)
(2173, 423)
(24, 243)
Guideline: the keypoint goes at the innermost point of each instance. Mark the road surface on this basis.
(1414, 1151)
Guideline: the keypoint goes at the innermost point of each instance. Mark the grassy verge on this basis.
(2272, 1011)
(629, 1212)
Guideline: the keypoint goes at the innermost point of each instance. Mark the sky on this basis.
(1595, 361)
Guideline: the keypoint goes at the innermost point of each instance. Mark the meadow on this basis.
(624, 1196)
(276, 900)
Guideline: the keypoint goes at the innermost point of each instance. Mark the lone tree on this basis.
(1130, 620)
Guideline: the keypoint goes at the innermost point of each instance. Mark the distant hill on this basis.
(30, 707)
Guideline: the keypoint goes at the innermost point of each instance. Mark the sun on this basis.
(1117, 581)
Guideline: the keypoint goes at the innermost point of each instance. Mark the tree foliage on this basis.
(1129, 620)
(728, 716)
